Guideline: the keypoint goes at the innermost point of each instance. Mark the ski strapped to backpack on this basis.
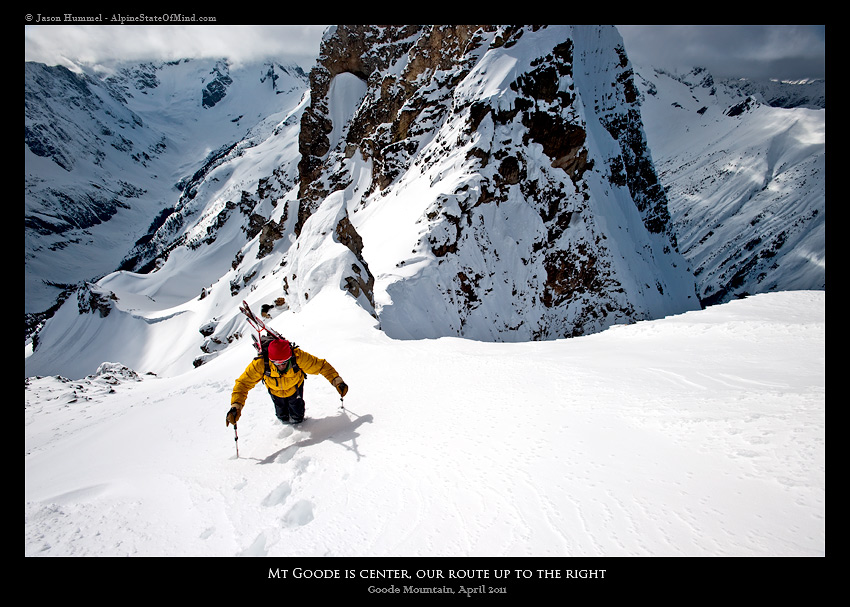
(261, 342)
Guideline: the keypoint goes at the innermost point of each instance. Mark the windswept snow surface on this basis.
(695, 435)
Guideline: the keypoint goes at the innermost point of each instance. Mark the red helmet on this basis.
(280, 350)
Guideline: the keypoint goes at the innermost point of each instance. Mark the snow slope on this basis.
(694, 435)
(746, 183)
(165, 136)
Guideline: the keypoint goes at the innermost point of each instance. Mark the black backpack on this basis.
(264, 337)
(262, 347)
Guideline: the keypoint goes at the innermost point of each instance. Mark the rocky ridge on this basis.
(421, 104)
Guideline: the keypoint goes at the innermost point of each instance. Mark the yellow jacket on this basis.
(280, 384)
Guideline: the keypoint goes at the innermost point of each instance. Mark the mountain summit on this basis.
(497, 180)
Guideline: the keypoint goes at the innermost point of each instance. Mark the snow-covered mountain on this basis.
(503, 188)
(111, 156)
(496, 183)
(746, 181)
(807, 93)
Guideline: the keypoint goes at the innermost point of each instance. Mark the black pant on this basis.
(290, 409)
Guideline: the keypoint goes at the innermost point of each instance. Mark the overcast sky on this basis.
(93, 44)
(764, 51)
(773, 51)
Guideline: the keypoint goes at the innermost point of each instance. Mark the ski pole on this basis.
(236, 439)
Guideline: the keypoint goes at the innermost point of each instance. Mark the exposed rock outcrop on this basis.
(525, 144)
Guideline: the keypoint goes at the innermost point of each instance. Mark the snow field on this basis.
(699, 434)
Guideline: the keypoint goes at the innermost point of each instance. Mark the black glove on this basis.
(340, 386)
(232, 416)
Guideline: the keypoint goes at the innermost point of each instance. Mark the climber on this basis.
(282, 367)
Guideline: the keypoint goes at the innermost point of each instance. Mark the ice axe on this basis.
(236, 439)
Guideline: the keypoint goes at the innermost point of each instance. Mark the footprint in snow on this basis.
(301, 465)
(300, 514)
(286, 454)
(257, 547)
(278, 495)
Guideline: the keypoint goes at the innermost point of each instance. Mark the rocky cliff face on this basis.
(513, 142)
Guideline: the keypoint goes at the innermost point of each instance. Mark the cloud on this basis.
(101, 45)
(753, 51)
(777, 51)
